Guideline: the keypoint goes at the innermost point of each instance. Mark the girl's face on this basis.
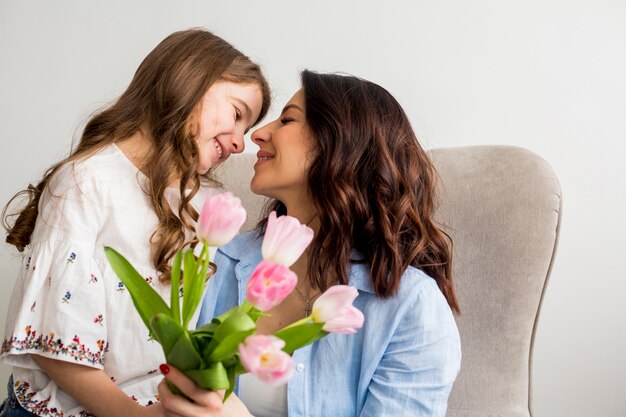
(284, 157)
(225, 113)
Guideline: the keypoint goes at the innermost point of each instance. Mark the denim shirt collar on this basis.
(247, 251)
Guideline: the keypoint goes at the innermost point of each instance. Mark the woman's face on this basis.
(284, 157)
(225, 113)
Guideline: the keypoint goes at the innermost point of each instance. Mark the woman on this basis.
(76, 344)
(343, 159)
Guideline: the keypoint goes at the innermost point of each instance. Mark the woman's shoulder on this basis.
(416, 281)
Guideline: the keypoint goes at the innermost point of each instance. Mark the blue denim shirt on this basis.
(403, 361)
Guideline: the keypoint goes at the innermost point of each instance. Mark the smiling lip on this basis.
(222, 154)
(263, 156)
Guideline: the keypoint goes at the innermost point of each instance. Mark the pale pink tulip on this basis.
(270, 284)
(285, 239)
(334, 308)
(262, 356)
(220, 220)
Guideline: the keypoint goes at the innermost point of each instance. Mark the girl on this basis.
(76, 344)
(343, 158)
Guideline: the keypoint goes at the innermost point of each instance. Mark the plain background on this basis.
(546, 75)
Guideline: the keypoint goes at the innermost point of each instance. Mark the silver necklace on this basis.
(308, 308)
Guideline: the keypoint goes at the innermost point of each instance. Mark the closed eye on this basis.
(285, 120)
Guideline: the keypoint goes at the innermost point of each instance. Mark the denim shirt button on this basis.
(300, 367)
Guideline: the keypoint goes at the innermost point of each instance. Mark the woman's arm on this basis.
(415, 375)
(94, 390)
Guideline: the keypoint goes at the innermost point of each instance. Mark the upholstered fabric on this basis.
(501, 206)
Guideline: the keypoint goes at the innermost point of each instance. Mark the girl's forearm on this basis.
(92, 388)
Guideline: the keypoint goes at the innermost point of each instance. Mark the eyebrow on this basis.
(291, 106)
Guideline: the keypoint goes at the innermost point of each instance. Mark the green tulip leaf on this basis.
(166, 330)
(183, 354)
(189, 275)
(224, 316)
(230, 371)
(215, 377)
(236, 322)
(174, 295)
(147, 301)
(301, 335)
(227, 348)
(206, 330)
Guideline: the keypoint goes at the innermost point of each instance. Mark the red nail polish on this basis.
(164, 369)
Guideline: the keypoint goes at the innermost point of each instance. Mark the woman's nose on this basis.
(262, 134)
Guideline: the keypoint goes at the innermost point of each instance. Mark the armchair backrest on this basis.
(501, 205)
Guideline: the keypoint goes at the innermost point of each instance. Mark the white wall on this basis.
(547, 75)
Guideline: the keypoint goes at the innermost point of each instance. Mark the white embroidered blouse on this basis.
(67, 303)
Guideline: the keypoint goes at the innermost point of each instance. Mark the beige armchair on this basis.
(502, 207)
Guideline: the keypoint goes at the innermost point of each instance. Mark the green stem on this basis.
(297, 323)
(245, 307)
(204, 253)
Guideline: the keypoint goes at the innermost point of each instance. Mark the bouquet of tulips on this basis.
(214, 354)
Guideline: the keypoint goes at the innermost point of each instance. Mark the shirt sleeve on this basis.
(417, 370)
(58, 305)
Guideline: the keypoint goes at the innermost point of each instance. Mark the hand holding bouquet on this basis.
(214, 354)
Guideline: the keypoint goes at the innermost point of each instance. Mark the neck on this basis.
(305, 213)
(138, 148)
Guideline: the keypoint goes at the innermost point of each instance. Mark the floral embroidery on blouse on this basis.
(71, 258)
(66, 297)
(47, 343)
(99, 319)
(93, 279)
(40, 407)
(150, 280)
(120, 286)
(28, 262)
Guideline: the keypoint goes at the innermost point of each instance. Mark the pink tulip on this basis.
(285, 239)
(334, 308)
(262, 356)
(220, 220)
(270, 284)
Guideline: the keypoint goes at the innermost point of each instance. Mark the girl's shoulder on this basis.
(95, 176)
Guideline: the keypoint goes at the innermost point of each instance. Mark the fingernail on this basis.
(164, 369)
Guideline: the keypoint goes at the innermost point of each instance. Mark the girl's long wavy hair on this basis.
(167, 87)
(373, 187)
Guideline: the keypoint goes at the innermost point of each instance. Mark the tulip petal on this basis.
(285, 239)
(334, 308)
(262, 356)
(333, 301)
(346, 323)
(270, 284)
(221, 217)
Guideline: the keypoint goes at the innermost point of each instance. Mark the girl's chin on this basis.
(207, 163)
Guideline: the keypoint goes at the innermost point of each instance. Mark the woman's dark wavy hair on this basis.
(373, 186)
(165, 91)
